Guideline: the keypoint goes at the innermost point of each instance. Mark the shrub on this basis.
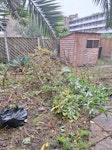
(20, 61)
(79, 95)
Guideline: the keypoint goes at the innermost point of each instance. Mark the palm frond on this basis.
(106, 6)
(42, 22)
(45, 13)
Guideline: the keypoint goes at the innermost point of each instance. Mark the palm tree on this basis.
(106, 5)
(45, 13)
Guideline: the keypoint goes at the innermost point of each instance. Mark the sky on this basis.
(82, 7)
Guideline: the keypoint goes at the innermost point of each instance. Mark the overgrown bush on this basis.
(51, 80)
(79, 95)
(70, 95)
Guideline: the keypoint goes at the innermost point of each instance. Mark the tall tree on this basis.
(45, 13)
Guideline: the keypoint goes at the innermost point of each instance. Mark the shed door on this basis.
(80, 51)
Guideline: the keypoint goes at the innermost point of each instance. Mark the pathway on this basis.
(101, 131)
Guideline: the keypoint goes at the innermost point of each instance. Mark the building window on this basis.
(92, 43)
(96, 43)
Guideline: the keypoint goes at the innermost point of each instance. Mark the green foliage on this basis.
(44, 13)
(61, 30)
(83, 133)
(83, 145)
(79, 96)
(77, 141)
(20, 61)
(71, 96)
(65, 144)
(66, 106)
(3, 68)
(106, 35)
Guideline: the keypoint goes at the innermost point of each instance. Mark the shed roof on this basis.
(76, 32)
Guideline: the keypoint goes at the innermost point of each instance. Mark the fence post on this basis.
(38, 41)
(6, 46)
(43, 42)
(111, 55)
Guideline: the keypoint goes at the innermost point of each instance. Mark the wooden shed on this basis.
(80, 48)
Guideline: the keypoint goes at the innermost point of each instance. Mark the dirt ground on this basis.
(41, 127)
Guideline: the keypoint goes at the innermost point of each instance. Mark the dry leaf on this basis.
(46, 145)
(52, 124)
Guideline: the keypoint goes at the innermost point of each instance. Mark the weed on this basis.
(83, 133)
(82, 145)
(75, 141)
(64, 143)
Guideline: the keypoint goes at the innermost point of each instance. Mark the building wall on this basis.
(73, 49)
(94, 23)
(67, 19)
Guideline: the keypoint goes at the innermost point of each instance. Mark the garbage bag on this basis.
(13, 117)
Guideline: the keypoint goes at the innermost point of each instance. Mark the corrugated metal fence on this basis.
(20, 46)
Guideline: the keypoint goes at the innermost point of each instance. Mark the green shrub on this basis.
(20, 61)
(64, 143)
(79, 95)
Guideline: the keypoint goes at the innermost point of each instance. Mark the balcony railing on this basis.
(98, 30)
(87, 21)
(88, 27)
(105, 31)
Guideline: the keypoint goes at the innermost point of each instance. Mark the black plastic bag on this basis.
(13, 117)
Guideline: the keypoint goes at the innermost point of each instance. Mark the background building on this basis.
(68, 19)
(94, 23)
